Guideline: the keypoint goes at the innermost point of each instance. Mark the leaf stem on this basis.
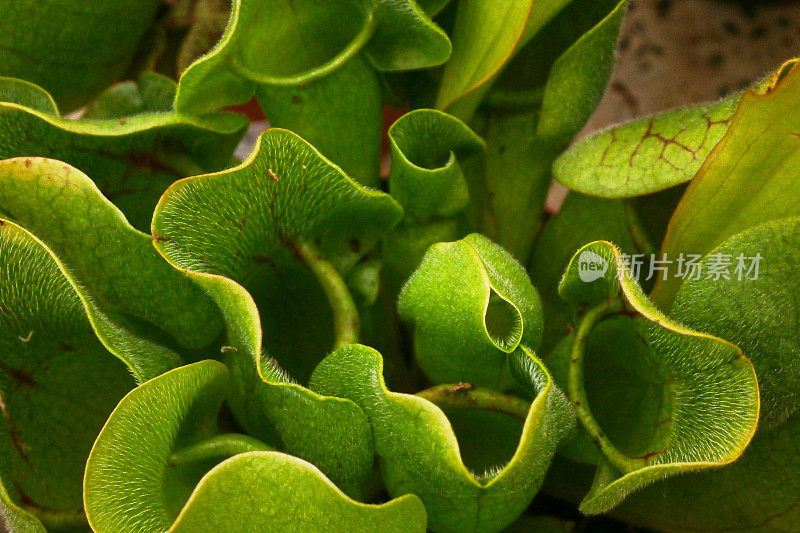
(577, 391)
(641, 239)
(466, 396)
(346, 322)
(226, 445)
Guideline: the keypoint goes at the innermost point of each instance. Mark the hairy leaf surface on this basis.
(142, 309)
(698, 402)
(58, 384)
(419, 453)
(471, 305)
(270, 241)
(157, 465)
(759, 491)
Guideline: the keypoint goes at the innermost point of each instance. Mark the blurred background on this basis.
(674, 52)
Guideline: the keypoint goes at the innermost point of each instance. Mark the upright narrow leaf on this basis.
(486, 36)
(760, 155)
(541, 100)
(578, 79)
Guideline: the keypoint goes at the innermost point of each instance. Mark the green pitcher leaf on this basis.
(485, 38)
(471, 305)
(223, 501)
(314, 49)
(426, 178)
(581, 220)
(419, 453)
(755, 310)
(72, 49)
(133, 482)
(160, 464)
(516, 180)
(653, 153)
(57, 386)
(429, 149)
(692, 398)
(270, 241)
(132, 159)
(308, 40)
(142, 309)
(760, 154)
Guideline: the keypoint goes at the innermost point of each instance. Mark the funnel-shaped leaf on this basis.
(578, 77)
(420, 455)
(153, 93)
(155, 467)
(312, 50)
(72, 51)
(132, 159)
(650, 154)
(427, 178)
(759, 491)
(693, 397)
(142, 309)
(270, 241)
(58, 384)
(131, 484)
(471, 305)
(580, 220)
